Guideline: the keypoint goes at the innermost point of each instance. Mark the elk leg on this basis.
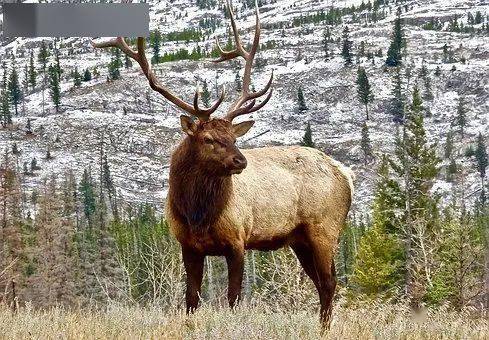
(194, 267)
(323, 262)
(304, 254)
(235, 262)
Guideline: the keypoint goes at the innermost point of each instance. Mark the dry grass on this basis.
(370, 321)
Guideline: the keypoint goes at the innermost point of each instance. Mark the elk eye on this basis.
(208, 140)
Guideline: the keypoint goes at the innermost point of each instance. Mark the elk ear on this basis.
(188, 125)
(242, 128)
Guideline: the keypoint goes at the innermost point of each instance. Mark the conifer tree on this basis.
(77, 78)
(461, 117)
(87, 195)
(346, 47)
(206, 95)
(365, 144)
(363, 90)
(301, 101)
(54, 87)
(237, 82)
(307, 138)
(379, 263)
(394, 53)
(115, 65)
(482, 158)
(427, 94)
(43, 57)
(449, 145)
(32, 71)
(326, 38)
(127, 61)
(416, 163)
(87, 76)
(14, 88)
(155, 42)
(5, 108)
(398, 100)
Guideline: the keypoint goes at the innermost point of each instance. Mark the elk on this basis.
(223, 201)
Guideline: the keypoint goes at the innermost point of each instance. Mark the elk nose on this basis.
(239, 162)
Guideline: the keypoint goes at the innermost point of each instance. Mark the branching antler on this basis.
(140, 57)
(237, 107)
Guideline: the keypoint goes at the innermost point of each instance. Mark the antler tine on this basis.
(140, 57)
(237, 107)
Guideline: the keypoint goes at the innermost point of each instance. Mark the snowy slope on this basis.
(139, 134)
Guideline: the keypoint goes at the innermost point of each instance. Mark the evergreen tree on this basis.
(87, 195)
(87, 76)
(301, 101)
(54, 87)
(364, 91)
(394, 53)
(32, 71)
(461, 117)
(43, 56)
(427, 94)
(155, 42)
(346, 47)
(416, 164)
(449, 145)
(481, 157)
(206, 95)
(115, 65)
(237, 82)
(398, 100)
(77, 78)
(14, 88)
(365, 144)
(127, 61)
(5, 108)
(307, 138)
(378, 268)
(326, 38)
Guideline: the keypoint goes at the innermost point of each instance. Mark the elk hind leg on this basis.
(324, 264)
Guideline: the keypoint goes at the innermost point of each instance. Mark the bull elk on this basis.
(223, 201)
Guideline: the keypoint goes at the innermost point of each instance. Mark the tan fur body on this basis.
(282, 190)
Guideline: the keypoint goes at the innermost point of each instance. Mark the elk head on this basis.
(211, 140)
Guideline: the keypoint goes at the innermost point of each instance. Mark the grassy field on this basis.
(370, 321)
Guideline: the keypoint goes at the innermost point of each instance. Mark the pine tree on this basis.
(237, 82)
(326, 38)
(127, 61)
(394, 53)
(379, 263)
(398, 100)
(42, 58)
(481, 157)
(155, 42)
(307, 138)
(301, 101)
(416, 164)
(364, 91)
(14, 88)
(461, 117)
(77, 78)
(87, 76)
(449, 145)
(5, 108)
(365, 144)
(54, 87)
(346, 47)
(115, 65)
(427, 94)
(87, 195)
(32, 71)
(206, 95)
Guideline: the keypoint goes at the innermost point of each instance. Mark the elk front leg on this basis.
(194, 267)
(235, 262)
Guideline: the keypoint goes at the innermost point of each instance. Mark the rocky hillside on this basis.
(137, 129)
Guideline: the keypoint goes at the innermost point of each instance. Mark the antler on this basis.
(140, 57)
(237, 107)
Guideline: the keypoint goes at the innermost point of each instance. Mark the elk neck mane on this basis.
(196, 196)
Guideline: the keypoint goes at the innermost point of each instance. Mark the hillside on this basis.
(138, 130)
